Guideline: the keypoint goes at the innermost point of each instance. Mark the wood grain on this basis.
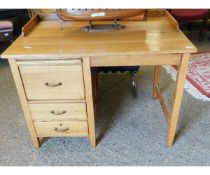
(65, 128)
(48, 54)
(130, 60)
(29, 26)
(180, 82)
(49, 62)
(89, 100)
(23, 101)
(157, 35)
(156, 81)
(173, 21)
(63, 82)
(58, 111)
(162, 103)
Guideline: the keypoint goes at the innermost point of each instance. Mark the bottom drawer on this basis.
(61, 129)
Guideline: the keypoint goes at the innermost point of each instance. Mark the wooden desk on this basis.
(52, 70)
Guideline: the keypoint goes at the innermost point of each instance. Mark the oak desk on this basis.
(52, 70)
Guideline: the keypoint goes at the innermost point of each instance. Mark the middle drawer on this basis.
(58, 111)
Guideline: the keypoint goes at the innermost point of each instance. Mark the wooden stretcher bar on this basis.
(162, 103)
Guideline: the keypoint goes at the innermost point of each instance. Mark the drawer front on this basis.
(53, 82)
(58, 111)
(61, 129)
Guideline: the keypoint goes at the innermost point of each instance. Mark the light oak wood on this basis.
(130, 60)
(58, 111)
(157, 35)
(180, 82)
(49, 62)
(162, 103)
(61, 128)
(23, 101)
(53, 82)
(157, 93)
(26, 29)
(45, 54)
(173, 21)
(56, 101)
(156, 12)
(156, 80)
(89, 99)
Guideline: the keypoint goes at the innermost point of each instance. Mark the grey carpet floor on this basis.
(129, 131)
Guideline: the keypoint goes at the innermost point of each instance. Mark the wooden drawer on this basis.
(61, 129)
(52, 81)
(58, 111)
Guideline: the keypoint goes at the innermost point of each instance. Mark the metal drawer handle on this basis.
(61, 129)
(53, 84)
(58, 112)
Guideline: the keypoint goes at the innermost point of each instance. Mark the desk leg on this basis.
(24, 102)
(180, 81)
(156, 81)
(89, 100)
(95, 84)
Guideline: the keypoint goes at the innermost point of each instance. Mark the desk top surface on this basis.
(155, 36)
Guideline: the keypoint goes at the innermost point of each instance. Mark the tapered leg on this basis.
(156, 81)
(95, 84)
(24, 103)
(180, 81)
(89, 100)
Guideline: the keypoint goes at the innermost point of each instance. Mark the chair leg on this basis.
(203, 28)
(133, 85)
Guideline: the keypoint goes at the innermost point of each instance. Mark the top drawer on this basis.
(48, 80)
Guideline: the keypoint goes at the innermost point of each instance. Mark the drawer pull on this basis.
(61, 129)
(53, 84)
(58, 112)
